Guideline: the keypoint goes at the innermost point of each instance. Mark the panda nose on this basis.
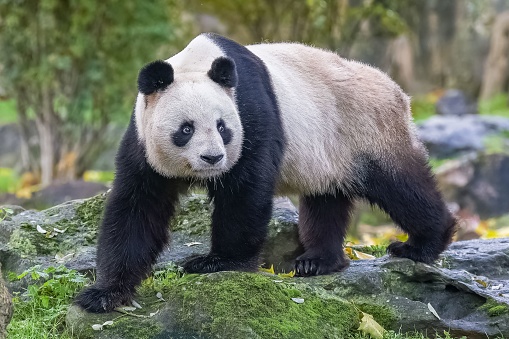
(211, 159)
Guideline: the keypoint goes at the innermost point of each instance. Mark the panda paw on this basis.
(405, 250)
(101, 300)
(212, 263)
(311, 264)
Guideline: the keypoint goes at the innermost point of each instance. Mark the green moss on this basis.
(194, 216)
(21, 244)
(128, 329)
(375, 250)
(90, 212)
(240, 305)
(383, 314)
(494, 308)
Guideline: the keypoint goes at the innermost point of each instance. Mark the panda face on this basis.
(192, 128)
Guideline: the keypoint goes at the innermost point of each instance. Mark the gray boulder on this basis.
(466, 294)
(455, 102)
(478, 183)
(448, 136)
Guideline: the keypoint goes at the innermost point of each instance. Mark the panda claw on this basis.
(213, 263)
(101, 300)
(307, 265)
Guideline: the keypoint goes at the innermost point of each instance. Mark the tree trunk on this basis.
(495, 68)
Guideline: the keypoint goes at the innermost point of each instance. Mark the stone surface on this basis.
(448, 136)
(5, 308)
(456, 103)
(468, 289)
(478, 183)
(23, 246)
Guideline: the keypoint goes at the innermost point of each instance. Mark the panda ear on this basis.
(224, 72)
(155, 76)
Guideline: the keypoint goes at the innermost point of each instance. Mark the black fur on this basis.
(408, 193)
(134, 227)
(226, 134)
(323, 221)
(154, 77)
(223, 71)
(243, 200)
(180, 139)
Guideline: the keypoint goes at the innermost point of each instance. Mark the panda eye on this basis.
(187, 130)
(220, 127)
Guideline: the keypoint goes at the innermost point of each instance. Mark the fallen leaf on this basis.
(267, 270)
(290, 274)
(129, 308)
(41, 230)
(362, 255)
(108, 323)
(496, 287)
(481, 282)
(159, 296)
(153, 313)
(368, 325)
(298, 300)
(59, 230)
(97, 327)
(135, 304)
(194, 243)
(432, 310)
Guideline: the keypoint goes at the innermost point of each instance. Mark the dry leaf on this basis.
(97, 327)
(298, 300)
(267, 270)
(369, 326)
(129, 308)
(135, 304)
(481, 282)
(362, 255)
(432, 310)
(194, 243)
(41, 230)
(290, 274)
(108, 323)
(159, 296)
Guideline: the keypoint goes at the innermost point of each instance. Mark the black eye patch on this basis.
(183, 135)
(225, 132)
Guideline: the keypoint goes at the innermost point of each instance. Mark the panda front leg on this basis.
(323, 221)
(134, 229)
(239, 226)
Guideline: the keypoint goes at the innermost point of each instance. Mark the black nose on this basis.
(211, 159)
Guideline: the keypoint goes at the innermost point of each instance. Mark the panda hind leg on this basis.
(323, 221)
(410, 196)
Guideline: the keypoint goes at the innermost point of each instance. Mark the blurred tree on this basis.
(327, 23)
(72, 65)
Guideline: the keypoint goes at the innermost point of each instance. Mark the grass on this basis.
(498, 105)
(40, 311)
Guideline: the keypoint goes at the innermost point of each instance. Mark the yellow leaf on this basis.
(369, 326)
(362, 255)
(267, 270)
(349, 253)
(290, 274)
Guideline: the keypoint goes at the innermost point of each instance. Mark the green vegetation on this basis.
(494, 309)
(194, 215)
(422, 108)
(375, 250)
(7, 111)
(498, 105)
(9, 180)
(40, 311)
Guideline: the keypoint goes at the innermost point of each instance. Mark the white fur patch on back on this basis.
(332, 110)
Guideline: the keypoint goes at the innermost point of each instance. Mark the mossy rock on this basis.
(230, 305)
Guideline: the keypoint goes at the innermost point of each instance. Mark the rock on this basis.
(468, 290)
(478, 183)
(71, 230)
(455, 102)
(5, 308)
(10, 141)
(448, 136)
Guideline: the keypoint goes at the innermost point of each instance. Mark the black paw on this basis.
(99, 300)
(213, 263)
(311, 264)
(405, 250)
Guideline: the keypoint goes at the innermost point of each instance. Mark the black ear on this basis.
(155, 76)
(224, 72)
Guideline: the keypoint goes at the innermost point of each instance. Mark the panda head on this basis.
(188, 121)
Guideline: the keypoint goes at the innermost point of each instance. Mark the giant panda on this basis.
(249, 122)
